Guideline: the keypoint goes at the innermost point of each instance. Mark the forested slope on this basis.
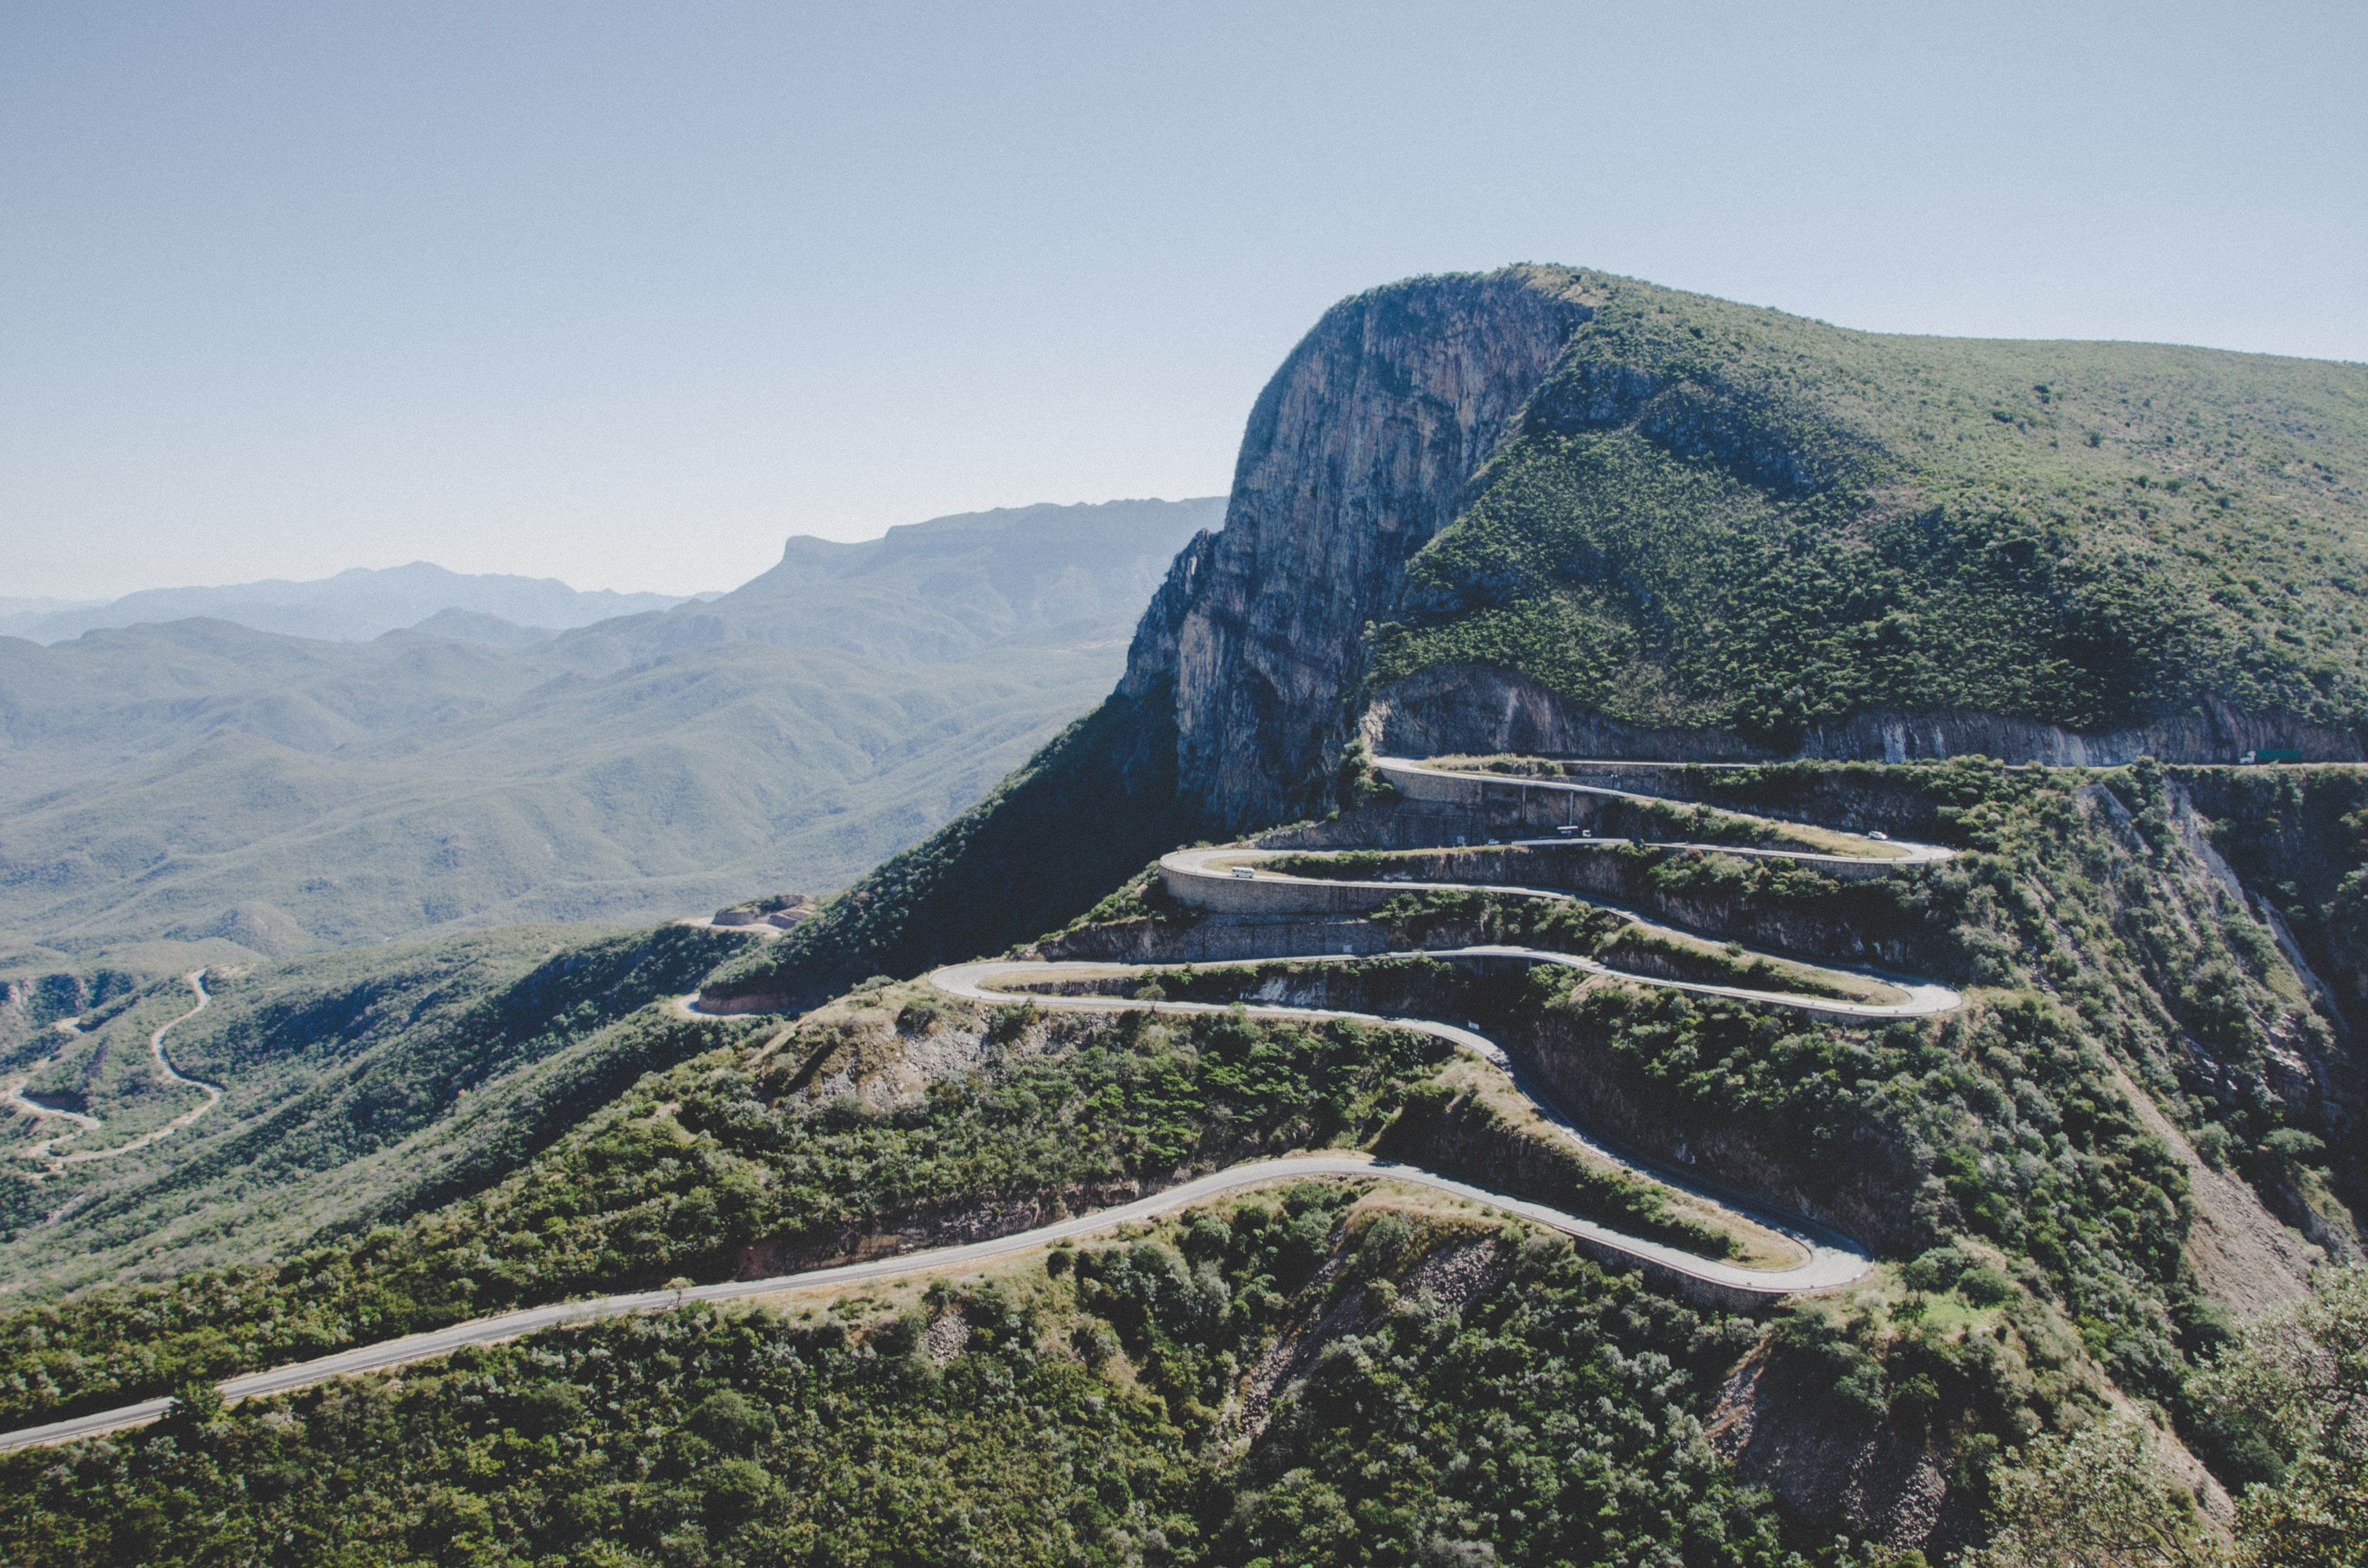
(1714, 517)
(359, 1087)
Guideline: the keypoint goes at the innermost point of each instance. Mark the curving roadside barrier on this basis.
(1228, 882)
(1426, 782)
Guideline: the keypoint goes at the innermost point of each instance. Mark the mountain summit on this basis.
(1548, 508)
(1559, 509)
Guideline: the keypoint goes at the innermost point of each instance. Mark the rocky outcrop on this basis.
(1366, 444)
(1358, 451)
(1476, 710)
(1868, 1478)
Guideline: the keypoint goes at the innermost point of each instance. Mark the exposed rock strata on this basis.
(1366, 444)
(1477, 709)
(1870, 1480)
(1358, 451)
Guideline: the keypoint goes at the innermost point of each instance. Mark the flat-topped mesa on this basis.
(1557, 511)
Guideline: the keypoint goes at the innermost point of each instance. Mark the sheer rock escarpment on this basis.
(1360, 450)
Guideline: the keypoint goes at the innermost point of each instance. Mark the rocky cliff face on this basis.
(1360, 450)
(1414, 404)
(1475, 709)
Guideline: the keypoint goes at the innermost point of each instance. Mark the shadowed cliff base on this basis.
(1087, 811)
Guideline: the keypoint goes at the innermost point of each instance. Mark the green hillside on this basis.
(665, 790)
(359, 1086)
(853, 1433)
(111, 701)
(1714, 516)
(2035, 1226)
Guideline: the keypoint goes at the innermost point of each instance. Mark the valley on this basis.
(201, 792)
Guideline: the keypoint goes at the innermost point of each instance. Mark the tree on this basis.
(2100, 1499)
(196, 1402)
(2297, 1379)
(677, 1285)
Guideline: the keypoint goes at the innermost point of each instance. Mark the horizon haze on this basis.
(624, 296)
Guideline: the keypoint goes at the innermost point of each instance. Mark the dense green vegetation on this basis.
(2043, 1231)
(1721, 516)
(2291, 1381)
(2000, 1148)
(737, 1150)
(361, 1087)
(2043, 1222)
(1555, 1418)
(2006, 1132)
(1439, 1114)
(2292, 1387)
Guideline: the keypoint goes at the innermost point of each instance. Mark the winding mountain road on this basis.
(395, 1353)
(45, 1151)
(1828, 1260)
(13, 1091)
(1189, 867)
(1410, 775)
(1210, 879)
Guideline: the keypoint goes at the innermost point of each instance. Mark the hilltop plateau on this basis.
(1747, 1010)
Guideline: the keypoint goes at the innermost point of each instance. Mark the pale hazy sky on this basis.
(623, 294)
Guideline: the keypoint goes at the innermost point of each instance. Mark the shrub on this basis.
(1985, 1287)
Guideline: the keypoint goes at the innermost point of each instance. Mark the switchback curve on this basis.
(45, 1151)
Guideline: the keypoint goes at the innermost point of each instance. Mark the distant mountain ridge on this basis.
(930, 592)
(352, 606)
(191, 781)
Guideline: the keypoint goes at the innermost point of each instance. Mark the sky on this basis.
(624, 294)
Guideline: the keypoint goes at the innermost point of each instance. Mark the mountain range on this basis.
(200, 781)
(352, 606)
